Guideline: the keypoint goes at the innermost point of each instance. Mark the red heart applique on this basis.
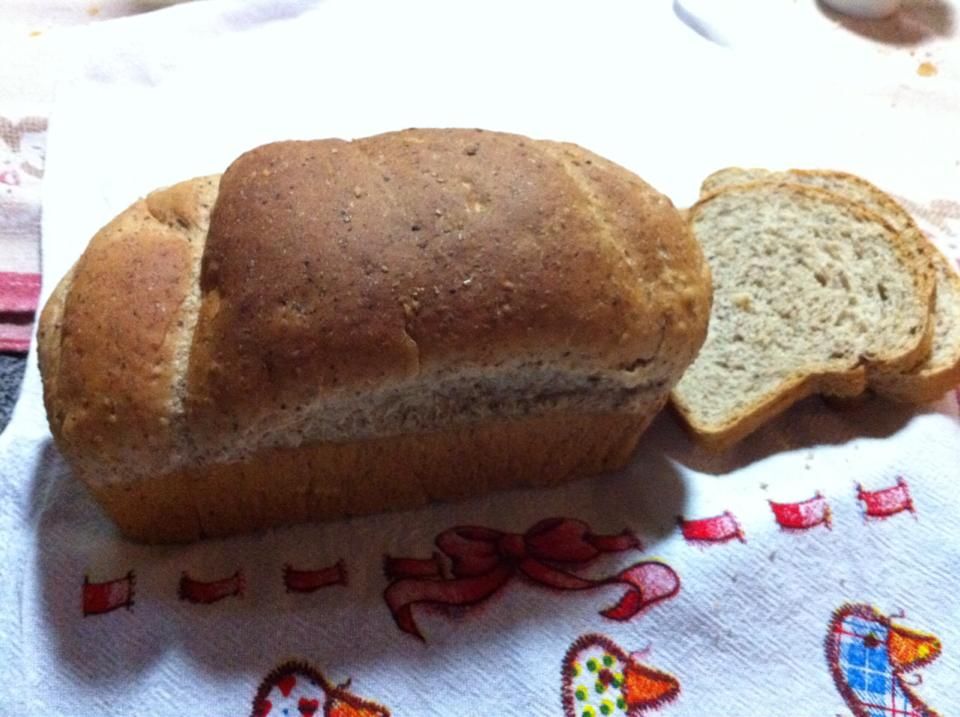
(286, 684)
(308, 707)
(315, 696)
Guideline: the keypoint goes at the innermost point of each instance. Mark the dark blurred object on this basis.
(865, 9)
(11, 374)
(19, 293)
(914, 23)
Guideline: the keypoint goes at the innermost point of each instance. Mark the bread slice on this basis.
(811, 292)
(941, 369)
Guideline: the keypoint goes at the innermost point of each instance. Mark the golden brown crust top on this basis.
(333, 265)
(109, 333)
(114, 369)
(673, 282)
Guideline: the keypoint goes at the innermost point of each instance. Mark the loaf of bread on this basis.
(334, 328)
(814, 293)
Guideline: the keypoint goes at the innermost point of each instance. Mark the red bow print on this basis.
(483, 561)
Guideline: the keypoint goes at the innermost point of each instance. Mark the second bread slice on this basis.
(810, 291)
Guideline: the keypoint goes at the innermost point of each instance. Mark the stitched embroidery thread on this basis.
(803, 515)
(308, 581)
(295, 689)
(198, 591)
(716, 529)
(100, 598)
(483, 560)
(601, 680)
(868, 655)
(887, 501)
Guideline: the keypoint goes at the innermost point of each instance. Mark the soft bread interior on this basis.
(808, 290)
(940, 370)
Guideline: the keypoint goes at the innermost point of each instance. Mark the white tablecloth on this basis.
(743, 606)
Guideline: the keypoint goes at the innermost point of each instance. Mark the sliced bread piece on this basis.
(731, 176)
(940, 371)
(809, 288)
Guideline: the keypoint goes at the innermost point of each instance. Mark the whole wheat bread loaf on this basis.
(811, 293)
(940, 371)
(333, 328)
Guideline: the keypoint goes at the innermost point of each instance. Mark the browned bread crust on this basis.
(320, 481)
(322, 297)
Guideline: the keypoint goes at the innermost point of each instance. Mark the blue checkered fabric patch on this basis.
(865, 663)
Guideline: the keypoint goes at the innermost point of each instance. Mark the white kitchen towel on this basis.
(813, 570)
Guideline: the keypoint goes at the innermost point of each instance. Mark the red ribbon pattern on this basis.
(100, 598)
(307, 581)
(206, 592)
(802, 515)
(483, 560)
(715, 529)
(887, 501)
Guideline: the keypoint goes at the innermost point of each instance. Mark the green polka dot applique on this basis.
(596, 672)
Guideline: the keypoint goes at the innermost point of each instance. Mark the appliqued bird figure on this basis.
(601, 680)
(869, 656)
